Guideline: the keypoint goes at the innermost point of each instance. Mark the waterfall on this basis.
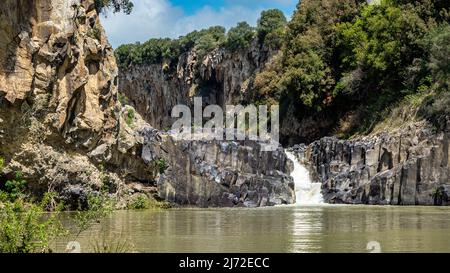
(306, 192)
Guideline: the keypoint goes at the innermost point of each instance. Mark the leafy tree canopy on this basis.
(270, 21)
(240, 36)
(125, 6)
(272, 24)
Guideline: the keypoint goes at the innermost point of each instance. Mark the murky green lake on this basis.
(278, 229)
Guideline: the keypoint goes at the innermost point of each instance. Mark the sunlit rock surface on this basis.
(406, 167)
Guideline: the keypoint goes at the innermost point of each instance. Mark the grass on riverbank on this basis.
(142, 202)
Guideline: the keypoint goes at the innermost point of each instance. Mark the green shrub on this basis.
(341, 56)
(123, 99)
(384, 38)
(130, 117)
(4, 197)
(140, 202)
(155, 50)
(27, 228)
(162, 165)
(15, 187)
(99, 206)
(439, 196)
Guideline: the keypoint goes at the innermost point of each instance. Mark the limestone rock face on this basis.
(60, 121)
(56, 58)
(221, 77)
(407, 167)
(62, 126)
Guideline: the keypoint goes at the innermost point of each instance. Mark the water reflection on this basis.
(281, 229)
(306, 230)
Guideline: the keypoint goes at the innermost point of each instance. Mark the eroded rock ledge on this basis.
(407, 167)
(225, 174)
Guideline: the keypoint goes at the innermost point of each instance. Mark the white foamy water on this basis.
(307, 192)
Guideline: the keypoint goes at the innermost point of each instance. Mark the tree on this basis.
(209, 39)
(383, 41)
(271, 21)
(266, 89)
(125, 6)
(240, 36)
(388, 36)
(437, 43)
(128, 54)
(156, 50)
(439, 63)
(309, 54)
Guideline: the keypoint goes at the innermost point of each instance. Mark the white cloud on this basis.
(226, 16)
(158, 18)
(150, 18)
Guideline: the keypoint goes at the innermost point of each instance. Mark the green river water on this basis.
(278, 229)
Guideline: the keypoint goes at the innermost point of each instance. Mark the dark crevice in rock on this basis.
(73, 109)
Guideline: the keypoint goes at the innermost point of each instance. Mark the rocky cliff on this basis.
(221, 77)
(408, 166)
(320, 94)
(225, 174)
(60, 121)
(63, 128)
(209, 173)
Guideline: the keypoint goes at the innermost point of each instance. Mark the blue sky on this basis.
(190, 7)
(172, 18)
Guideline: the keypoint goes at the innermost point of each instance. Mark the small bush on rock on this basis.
(140, 202)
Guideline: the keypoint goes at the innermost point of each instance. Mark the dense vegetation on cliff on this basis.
(347, 62)
(270, 30)
(349, 55)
